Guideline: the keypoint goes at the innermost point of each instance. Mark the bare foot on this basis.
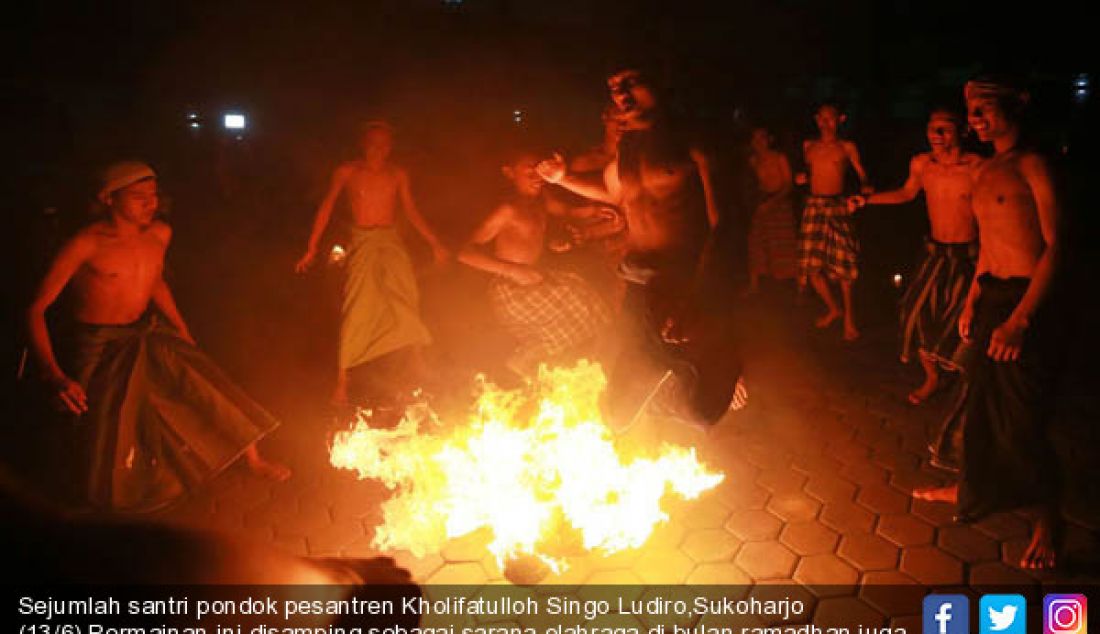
(1041, 553)
(850, 332)
(927, 389)
(828, 318)
(268, 469)
(948, 494)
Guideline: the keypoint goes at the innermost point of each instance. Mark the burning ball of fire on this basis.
(526, 462)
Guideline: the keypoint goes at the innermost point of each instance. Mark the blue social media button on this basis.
(946, 614)
(1002, 614)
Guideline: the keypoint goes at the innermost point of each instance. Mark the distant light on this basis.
(517, 116)
(337, 254)
(897, 280)
(234, 121)
(1082, 88)
(191, 116)
(195, 125)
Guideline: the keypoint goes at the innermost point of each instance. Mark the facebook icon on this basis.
(946, 614)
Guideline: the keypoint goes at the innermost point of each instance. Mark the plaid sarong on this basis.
(930, 308)
(548, 319)
(828, 242)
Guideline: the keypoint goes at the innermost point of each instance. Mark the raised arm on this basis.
(473, 253)
(67, 262)
(853, 157)
(1008, 337)
(324, 214)
(413, 214)
(609, 191)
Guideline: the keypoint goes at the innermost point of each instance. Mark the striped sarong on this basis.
(930, 307)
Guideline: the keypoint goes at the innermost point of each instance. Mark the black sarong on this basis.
(930, 308)
(162, 418)
(697, 378)
(1007, 460)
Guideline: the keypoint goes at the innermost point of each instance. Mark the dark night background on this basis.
(92, 82)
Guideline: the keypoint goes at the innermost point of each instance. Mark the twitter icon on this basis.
(1002, 614)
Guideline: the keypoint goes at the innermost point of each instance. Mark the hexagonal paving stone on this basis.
(907, 480)
(864, 473)
(667, 535)
(830, 488)
(328, 539)
(815, 464)
(421, 568)
(881, 499)
(868, 552)
(930, 565)
(766, 560)
(741, 495)
(754, 525)
(904, 530)
(663, 566)
(708, 514)
(1004, 526)
(632, 584)
(809, 538)
(891, 593)
(794, 507)
(463, 574)
(780, 481)
(847, 517)
(850, 612)
(993, 575)
(907, 623)
(825, 575)
(710, 544)
(968, 544)
(719, 575)
(937, 514)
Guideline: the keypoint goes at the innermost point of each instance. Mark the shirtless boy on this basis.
(663, 185)
(155, 414)
(550, 313)
(772, 240)
(829, 246)
(380, 311)
(1007, 459)
(931, 305)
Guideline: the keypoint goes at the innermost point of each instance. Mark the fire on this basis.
(526, 463)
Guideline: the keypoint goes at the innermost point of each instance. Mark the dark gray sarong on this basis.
(930, 308)
(162, 419)
(997, 433)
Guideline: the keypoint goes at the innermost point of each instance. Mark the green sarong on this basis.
(163, 418)
(381, 303)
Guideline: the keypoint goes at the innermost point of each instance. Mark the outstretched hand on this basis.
(855, 203)
(552, 170)
(305, 262)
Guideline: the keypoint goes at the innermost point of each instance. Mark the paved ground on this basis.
(819, 469)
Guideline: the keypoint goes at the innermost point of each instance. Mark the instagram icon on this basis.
(1065, 614)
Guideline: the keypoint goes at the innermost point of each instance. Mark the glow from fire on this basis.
(526, 464)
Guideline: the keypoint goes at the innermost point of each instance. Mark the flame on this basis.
(526, 463)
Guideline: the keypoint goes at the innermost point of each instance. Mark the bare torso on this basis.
(828, 164)
(772, 171)
(115, 284)
(372, 193)
(522, 236)
(948, 189)
(663, 203)
(1008, 219)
